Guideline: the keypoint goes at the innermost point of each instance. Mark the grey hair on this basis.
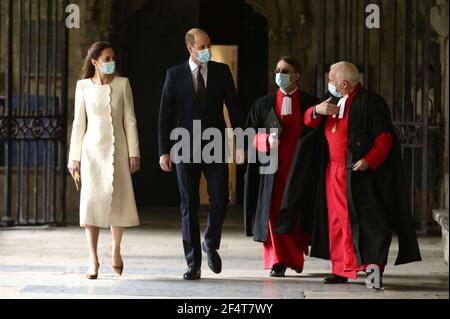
(346, 71)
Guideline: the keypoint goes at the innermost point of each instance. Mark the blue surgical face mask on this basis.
(283, 80)
(333, 90)
(204, 56)
(108, 67)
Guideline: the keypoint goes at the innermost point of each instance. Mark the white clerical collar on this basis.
(286, 106)
(194, 65)
(341, 104)
(292, 92)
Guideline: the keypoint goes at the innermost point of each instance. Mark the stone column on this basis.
(439, 23)
(445, 93)
(286, 20)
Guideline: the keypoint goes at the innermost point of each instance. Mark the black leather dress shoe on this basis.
(278, 270)
(335, 279)
(192, 274)
(298, 270)
(214, 261)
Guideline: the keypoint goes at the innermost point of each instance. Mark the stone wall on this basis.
(293, 30)
(439, 23)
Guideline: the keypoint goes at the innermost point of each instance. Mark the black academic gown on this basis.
(258, 187)
(376, 199)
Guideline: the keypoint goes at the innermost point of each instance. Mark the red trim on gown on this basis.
(342, 253)
(286, 249)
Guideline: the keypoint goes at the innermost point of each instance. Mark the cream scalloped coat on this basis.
(104, 137)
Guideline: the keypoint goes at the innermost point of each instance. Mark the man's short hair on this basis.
(292, 62)
(190, 36)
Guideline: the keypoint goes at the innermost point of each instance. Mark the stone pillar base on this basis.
(441, 217)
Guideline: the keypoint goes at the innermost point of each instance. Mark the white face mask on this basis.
(333, 90)
(204, 56)
(108, 67)
(283, 80)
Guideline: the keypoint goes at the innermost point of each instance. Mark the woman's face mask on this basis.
(108, 67)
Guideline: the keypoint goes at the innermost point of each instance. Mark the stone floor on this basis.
(43, 262)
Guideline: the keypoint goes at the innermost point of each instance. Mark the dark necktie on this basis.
(201, 90)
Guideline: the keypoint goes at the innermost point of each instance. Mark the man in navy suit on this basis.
(196, 91)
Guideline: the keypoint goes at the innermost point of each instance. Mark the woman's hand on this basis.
(135, 164)
(73, 166)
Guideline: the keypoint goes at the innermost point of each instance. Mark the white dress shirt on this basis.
(194, 72)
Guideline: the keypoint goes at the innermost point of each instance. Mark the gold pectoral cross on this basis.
(333, 130)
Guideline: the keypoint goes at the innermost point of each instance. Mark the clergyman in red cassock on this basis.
(361, 196)
(264, 192)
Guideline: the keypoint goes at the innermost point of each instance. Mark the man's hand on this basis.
(240, 156)
(327, 108)
(361, 165)
(165, 162)
(73, 166)
(135, 164)
(273, 140)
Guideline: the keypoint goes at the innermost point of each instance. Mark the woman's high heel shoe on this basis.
(118, 269)
(94, 275)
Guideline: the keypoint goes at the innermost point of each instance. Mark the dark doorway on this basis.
(234, 22)
(155, 42)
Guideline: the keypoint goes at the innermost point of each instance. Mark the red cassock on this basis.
(286, 249)
(342, 253)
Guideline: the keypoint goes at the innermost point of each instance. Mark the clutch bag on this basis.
(77, 179)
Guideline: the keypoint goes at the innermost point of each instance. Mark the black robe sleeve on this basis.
(251, 178)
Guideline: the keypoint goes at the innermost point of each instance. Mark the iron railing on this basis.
(396, 61)
(33, 112)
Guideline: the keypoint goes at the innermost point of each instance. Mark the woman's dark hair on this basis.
(94, 52)
(292, 62)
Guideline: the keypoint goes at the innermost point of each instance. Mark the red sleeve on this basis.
(380, 151)
(308, 118)
(261, 142)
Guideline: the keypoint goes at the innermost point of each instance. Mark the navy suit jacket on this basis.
(180, 105)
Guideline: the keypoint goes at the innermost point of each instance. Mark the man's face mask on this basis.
(204, 56)
(333, 90)
(283, 80)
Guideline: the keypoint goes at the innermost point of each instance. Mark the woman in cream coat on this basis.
(104, 149)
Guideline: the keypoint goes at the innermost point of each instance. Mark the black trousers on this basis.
(188, 176)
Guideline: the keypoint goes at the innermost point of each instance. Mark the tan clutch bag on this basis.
(77, 180)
